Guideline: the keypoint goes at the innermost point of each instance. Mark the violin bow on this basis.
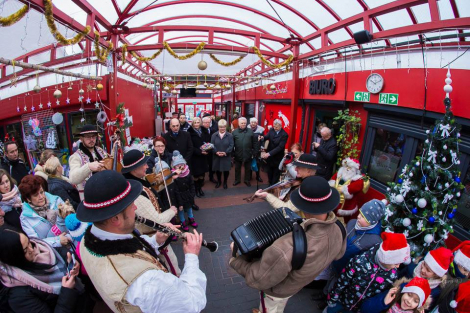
(164, 181)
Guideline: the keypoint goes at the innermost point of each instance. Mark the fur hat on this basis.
(373, 211)
(177, 159)
(461, 304)
(419, 286)
(76, 228)
(462, 254)
(439, 260)
(394, 249)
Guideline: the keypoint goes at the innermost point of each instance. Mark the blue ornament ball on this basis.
(431, 220)
(450, 215)
(414, 211)
(457, 179)
(400, 181)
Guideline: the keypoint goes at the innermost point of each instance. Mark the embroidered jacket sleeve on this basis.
(157, 291)
(277, 203)
(146, 209)
(78, 173)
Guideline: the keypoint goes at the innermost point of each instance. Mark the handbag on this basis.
(254, 165)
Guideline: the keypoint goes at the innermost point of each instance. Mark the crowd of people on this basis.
(67, 242)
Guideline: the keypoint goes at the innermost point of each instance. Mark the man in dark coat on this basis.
(206, 124)
(179, 140)
(184, 125)
(12, 163)
(244, 147)
(327, 151)
(167, 124)
(275, 152)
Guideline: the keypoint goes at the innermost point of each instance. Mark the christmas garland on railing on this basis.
(268, 63)
(187, 56)
(15, 17)
(216, 60)
(53, 29)
(142, 59)
(102, 54)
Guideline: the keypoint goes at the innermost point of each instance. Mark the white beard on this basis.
(347, 173)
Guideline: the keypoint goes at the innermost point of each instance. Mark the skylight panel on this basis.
(106, 8)
(339, 35)
(445, 10)
(343, 8)
(395, 19)
(422, 13)
(72, 10)
(376, 3)
(314, 11)
(40, 58)
(463, 7)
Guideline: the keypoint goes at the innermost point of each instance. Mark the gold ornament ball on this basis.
(272, 87)
(228, 86)
(217, 87)
(144, 85)
(206, 85)
(99, 87)
(81, 92)
(202, 65)
(174, 91)
(166, 88)
(57, 94)
(37, 89)
(257, 82)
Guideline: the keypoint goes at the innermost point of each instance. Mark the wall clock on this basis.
(374, 83)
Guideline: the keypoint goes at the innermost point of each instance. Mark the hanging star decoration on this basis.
(97, 105)
(25, 108)
(13, 81)
(82, 120)
(49, 104)
(67, 101)
(40, 105)
(33, 108)
(89, 88)
(80, 98)
(58, 102)
(88, 100)
(17, 109)
(81, 109)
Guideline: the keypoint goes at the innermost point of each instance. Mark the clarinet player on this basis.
(113, 253)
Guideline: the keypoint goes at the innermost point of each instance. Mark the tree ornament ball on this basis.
(426, 188)
(206, 85)
(458, 194)
(457, 179)
(414, 211)
(428, 238)
(202, 65)
(399, 199)
(422, 203)
(81, 92)
(458, 135)
(388, 189)
(431, 219)
(406, 222)
(99, 87)
(37, 89)
(417, 163)
(166, 88)
(427, 132)
(439, 187)
(426, 141)
(447, 185)
(440, 212)
(450, 216)
(444, 159)
(458, 162)
(400, 181)
(57, 94)
(444, 147)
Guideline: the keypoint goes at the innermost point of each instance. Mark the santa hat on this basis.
(439, 260)
(462, 254)
(419, 286)
(461, 304)
(394, 249)
(76, 228)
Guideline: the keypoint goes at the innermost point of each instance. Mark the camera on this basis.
(290, 156)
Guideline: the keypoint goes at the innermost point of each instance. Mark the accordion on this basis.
(254, 236)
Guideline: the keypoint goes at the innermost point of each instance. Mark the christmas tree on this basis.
(423, 203)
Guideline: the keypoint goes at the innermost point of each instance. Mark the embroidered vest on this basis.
(152, 199)
(84, 159)
(112, 275)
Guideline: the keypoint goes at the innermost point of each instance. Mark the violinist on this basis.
(87, 160)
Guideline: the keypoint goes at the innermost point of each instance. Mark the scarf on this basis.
(396, 308)
(51, 283)
(359, 227)
(11, 200)
(45, 212)
(222, 135)
(89, 155)
(185, 171)
(198, 131)
(433, 283)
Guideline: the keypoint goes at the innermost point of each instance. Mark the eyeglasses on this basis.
(160, 146)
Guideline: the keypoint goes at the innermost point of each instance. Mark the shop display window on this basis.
(463, 209)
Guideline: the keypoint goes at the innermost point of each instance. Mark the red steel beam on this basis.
(126, 11)
(455, 10)
(374, 20)
(89, 9)
(116, 7)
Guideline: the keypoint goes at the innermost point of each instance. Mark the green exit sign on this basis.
(362, 96)
(388, 98)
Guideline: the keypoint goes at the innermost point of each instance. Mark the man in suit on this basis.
(275, 152)
(327, 151)
(176, 139)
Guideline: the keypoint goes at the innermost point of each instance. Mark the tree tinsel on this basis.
(102, 54)
(15, 17)
(216, 60)
(285, 63)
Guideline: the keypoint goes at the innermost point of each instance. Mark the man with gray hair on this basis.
(244, 147)
(257, 131)
(327, 151)
(274, 153)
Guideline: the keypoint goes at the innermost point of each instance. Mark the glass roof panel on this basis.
(339, 35)
(356, 27)
(463, 7)
(72, 10)
(40, 58)
(445, 10)
(395, 19)
(106, 8)
(141, 4)
(122, 4)
(376, 3)
(213, 22)
(314, 11)
(422, 13)
(344, 11)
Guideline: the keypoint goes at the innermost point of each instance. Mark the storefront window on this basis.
(463, 207)
(90, 118)
(386, 155)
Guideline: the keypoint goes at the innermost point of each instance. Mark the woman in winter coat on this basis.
(35, 276)
(59, 186)
(11, 200)
(199, 136)
(223, 146)
(41, 217)
(159, 150)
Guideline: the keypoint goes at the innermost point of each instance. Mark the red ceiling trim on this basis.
(88, 8)
(125, 12)
(455, 10)
(374, 20)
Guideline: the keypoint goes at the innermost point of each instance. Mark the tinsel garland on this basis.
(268, 63)
(135, 55)
(216, 60)
(15, 17)
(187, 56)
(102, 54)
(53, 29)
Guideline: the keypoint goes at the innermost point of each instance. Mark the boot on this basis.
(198, 188)
(201, 183)
(211, 177)
(195, 207)
(184, 226)
(192, 222)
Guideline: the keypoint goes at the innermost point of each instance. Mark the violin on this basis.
(156, 180)
(279, 185)
(111, 162)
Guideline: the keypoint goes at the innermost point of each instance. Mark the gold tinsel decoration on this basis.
(15, 17)
(53, 29)
(187, 56)
(142, 59)
(213, 57)
(268, 63)
(102, 54)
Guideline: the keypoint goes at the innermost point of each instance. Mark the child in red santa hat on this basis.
(457, 301)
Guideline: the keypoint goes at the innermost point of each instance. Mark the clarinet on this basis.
(212, 246)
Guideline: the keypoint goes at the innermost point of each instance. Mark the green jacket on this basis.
(244, 144)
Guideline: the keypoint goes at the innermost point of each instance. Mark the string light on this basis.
(25, 30)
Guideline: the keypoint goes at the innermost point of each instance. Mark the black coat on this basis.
(326, 157)
(64, 190)
(166, 157)
(185, 191)
(276, 146)
(214, 127)
(198, 164)
(185, 126)
(182, 142)
(16, 169)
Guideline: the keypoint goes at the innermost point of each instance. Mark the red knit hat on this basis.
(394, 249)
(461, 304)
(439, 260)
(419, 286)
(462, 254)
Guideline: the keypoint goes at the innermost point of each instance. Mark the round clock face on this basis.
(374, 83)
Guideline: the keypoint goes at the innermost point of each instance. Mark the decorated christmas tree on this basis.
(423, 203)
